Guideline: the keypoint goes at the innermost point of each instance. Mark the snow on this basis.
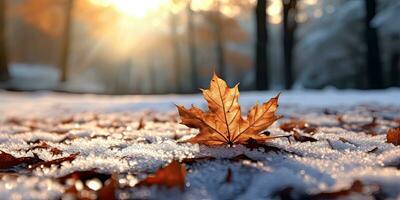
(27, 77)
(107, 138)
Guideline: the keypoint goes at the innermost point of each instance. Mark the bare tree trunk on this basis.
(395, 70)
(177, 53)
(219, 42)
(261, 46)
(192, 46)
(373, 59)
(4, 74)
(289, 27)
(66, 39)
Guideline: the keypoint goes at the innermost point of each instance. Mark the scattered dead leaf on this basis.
(141, 124)
(254, 144)
(173, 175)
(7, 160)
(223, 123)
(191, 161)
(298, 124)
(44, 145)
(368, 128)
(393, 136)
(68, 138)
(84, 176)
(55, 162)
(371, 125)
(107, 192)
(356, 188)
(302, 138)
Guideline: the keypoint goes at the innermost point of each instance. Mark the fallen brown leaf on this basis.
(107, 192)
(298, 124)
(84, 176)
(196, 160)
(357, 188)
(141, 124)
(7, 160)
(173, 175)
(367, 128)
(393, 136)
(223, 123)
(44, 145)
(302, 138)
(55, 162)
(254, 144)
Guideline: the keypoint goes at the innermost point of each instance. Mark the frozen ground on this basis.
(104, 130)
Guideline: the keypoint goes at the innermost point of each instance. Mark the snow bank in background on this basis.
(318, 166)
(33, 77)
(45, 77)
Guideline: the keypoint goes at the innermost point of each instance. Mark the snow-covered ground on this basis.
(103, 129)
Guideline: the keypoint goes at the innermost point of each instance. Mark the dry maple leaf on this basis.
(393, 136)
(172, 175)
(223, 123)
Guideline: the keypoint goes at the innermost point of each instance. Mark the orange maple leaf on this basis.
(172, 175)
(223, 123)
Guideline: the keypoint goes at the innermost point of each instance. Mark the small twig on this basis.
(373, 150)
(330, 144)
(347, 141)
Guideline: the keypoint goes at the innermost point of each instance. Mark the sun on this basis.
(133, 8)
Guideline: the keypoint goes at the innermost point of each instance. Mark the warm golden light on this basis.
(274, 11)
(133, 8)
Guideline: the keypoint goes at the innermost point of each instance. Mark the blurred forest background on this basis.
(173, 46)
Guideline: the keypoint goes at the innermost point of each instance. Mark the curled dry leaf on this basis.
(7, 160)
(393, 136)
(173, 175)
(223, 123)
(298, 124)
(302, 138)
